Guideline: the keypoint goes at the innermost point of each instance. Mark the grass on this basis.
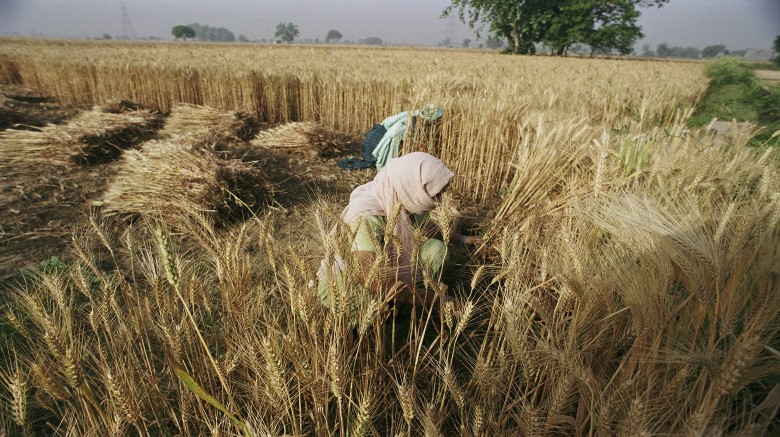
(735, 93)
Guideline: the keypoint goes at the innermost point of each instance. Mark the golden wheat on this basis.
(631, 287)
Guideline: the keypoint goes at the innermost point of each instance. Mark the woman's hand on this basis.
(473, 240)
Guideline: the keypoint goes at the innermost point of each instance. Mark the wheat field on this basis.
(630, 287)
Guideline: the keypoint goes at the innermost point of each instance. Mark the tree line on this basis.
(285, 32)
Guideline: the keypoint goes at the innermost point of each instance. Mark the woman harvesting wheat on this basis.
(386, 218)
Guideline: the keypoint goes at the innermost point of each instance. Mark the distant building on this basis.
(759, 55)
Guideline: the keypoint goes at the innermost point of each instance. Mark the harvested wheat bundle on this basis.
(310, 137)
(96, 136)
(164, 175)
(200, 125)
(21, 149)
(92, 137)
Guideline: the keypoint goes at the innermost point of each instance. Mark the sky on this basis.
(739, 24)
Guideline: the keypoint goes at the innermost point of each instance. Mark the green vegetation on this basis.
(182, 31)
(371, 41)
(286, 32)
(333, 35)
(605, 26)
(736, 93)
(204, 32)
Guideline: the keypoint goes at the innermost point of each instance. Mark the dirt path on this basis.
(771, 77)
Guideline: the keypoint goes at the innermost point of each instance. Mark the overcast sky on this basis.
(739, 24)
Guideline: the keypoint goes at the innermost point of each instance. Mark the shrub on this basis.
(729, 71)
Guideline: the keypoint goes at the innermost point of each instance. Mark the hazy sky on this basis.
(737, 23)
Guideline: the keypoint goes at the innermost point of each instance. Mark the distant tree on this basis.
(446, 43)
(466, 43)
(713, 51)
(201, 31)
(204, 32)
(685, 52)
(286, 32)
(107, 36)
(242, 38)
(646, 52)
(221, 34)
(777, 50)
(372, 41)
(333, 35)
(663, 50)
(182, 31)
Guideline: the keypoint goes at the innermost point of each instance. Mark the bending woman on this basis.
(414, 183)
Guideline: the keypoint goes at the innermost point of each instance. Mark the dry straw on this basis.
(92, 137)
(202, 125)
(162, 174)
(308, 138)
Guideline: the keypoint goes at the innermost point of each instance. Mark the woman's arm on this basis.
(403, 292)
(463, 240)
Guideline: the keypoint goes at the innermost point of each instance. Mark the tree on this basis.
(333, 35)
(713, 51)
(221, 34)
(683, 52)
(286, 32)
(466, 43)
(614, 28)
(777, 50)
(182, 31)
(242, 38)
(508, 19)
(611, 24)
(372, 41)
(663, 50)
(204, 32)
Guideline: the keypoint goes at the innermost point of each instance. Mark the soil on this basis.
(40, 207)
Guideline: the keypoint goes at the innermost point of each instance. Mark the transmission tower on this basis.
(127, 25)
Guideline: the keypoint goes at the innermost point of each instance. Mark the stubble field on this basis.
(188, 192)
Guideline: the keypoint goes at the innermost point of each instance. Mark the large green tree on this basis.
(777, 50)
(606, 25)
(614, 27)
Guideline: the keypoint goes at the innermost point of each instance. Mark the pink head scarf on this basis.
(413, 180)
